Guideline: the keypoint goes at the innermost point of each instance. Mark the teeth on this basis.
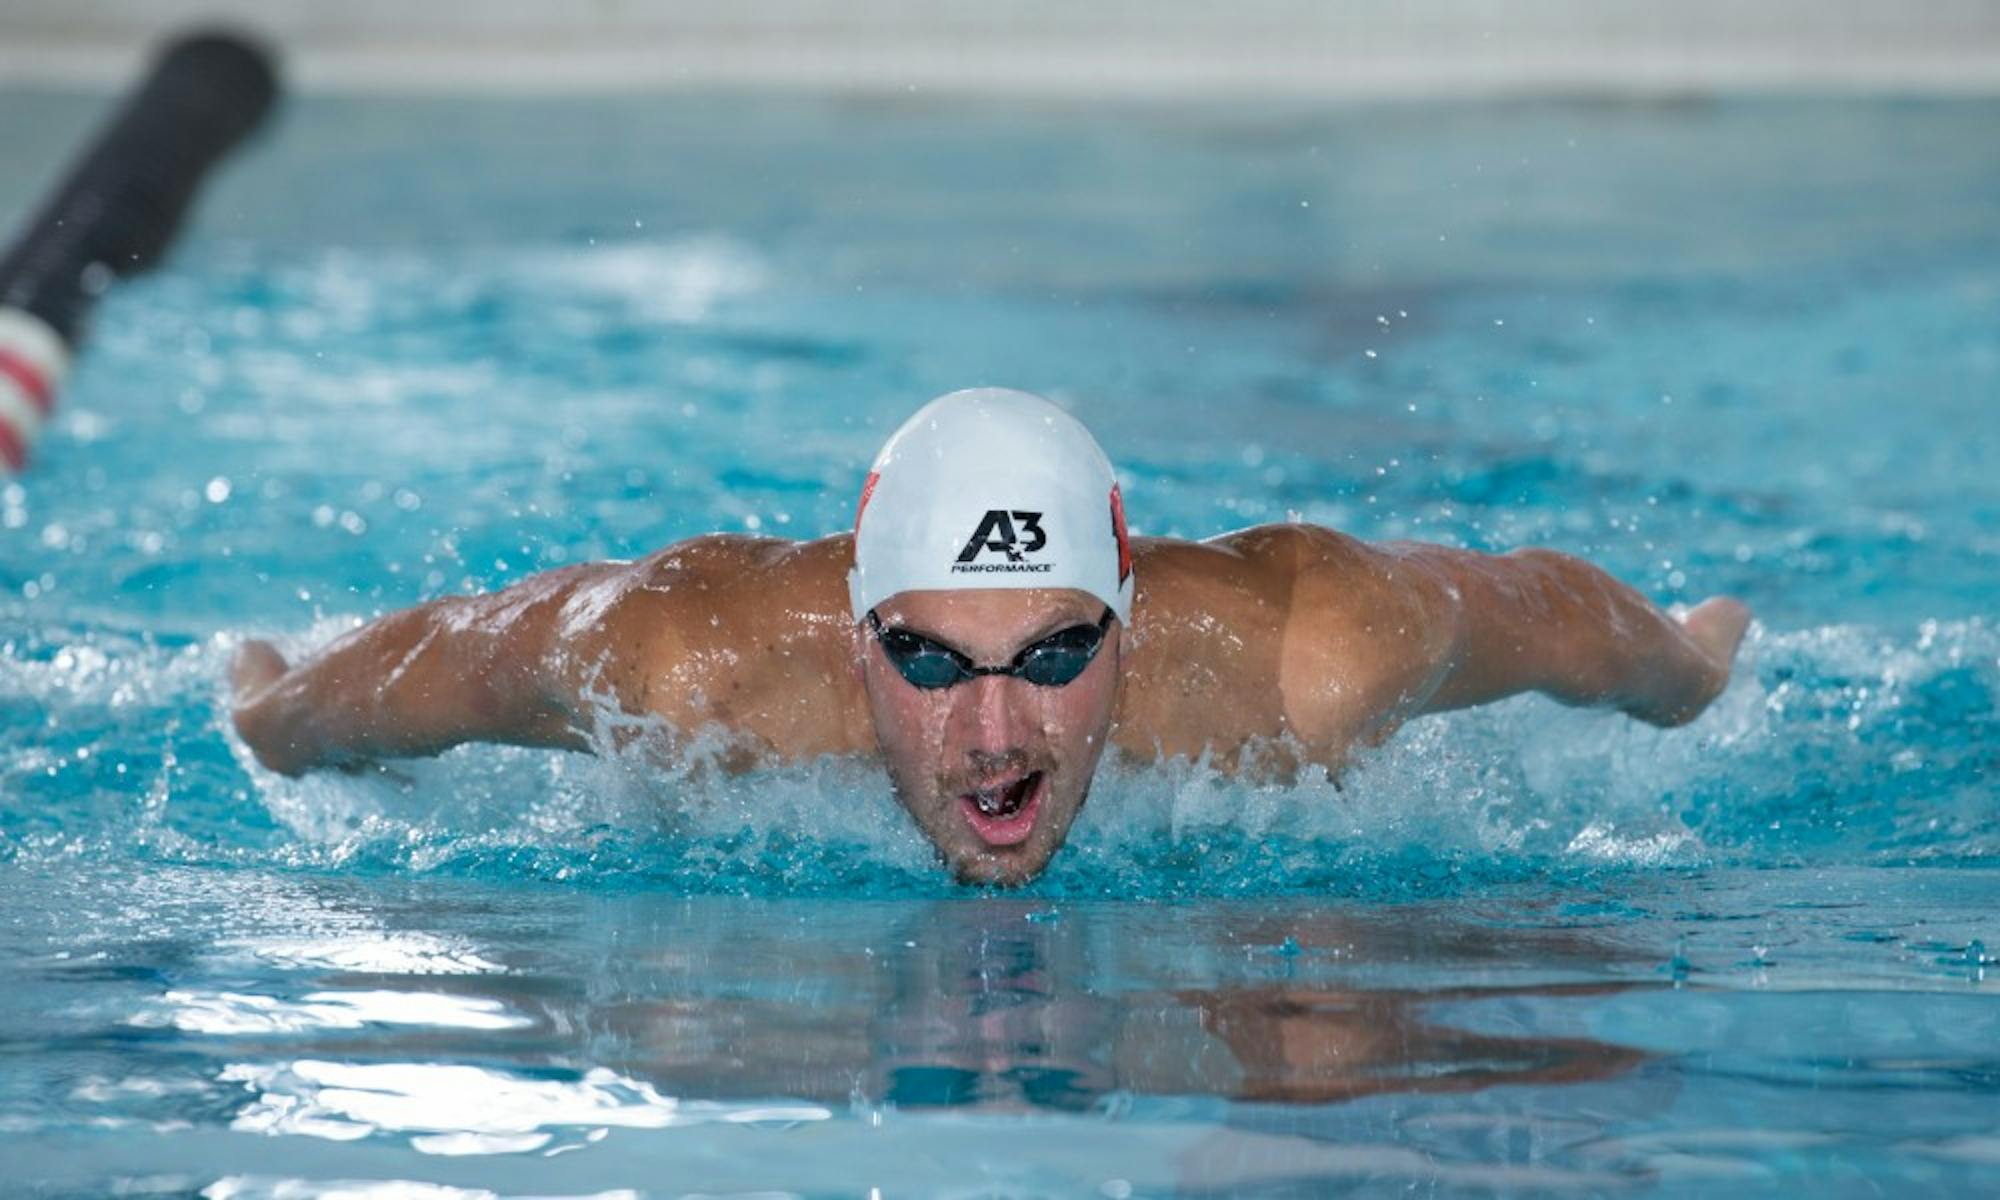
(1001, 802)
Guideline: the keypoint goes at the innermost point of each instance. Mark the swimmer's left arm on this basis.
(1382, 633)
(1539, 620)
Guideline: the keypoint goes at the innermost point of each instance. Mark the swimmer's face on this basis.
(993, 769)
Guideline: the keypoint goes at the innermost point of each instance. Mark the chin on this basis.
(986, 869)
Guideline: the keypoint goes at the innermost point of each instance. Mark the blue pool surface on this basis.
(417, 347)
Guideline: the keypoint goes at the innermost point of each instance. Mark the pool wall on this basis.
(1048, 47)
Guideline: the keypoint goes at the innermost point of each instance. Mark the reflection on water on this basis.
(469, 1110)
(235, 1013)
(279, 1034)
(703, 1011)
(998, 1005)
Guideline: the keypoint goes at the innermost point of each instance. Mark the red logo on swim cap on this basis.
(1118, 531)
(867, 490)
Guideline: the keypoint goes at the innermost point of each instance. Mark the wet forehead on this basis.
(990, 623)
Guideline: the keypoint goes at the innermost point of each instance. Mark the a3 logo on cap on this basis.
(1011, 532)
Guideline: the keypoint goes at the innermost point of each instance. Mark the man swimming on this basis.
(986, 632)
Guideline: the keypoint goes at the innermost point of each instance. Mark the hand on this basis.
(1716, 628)
(257, 711)
(257, 666)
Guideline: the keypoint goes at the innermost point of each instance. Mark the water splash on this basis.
(1837, 745)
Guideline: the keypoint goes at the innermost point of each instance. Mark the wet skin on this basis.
(1264, 650)
(1028, 749)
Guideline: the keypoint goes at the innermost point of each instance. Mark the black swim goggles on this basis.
(1051, 662)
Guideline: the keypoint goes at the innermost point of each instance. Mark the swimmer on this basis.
(987, 633)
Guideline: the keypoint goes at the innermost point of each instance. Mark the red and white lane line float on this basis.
(115, 213)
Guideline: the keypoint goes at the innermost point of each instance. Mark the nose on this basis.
(989, 718)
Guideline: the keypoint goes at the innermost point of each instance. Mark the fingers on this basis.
(1716, 625)
(258, 665)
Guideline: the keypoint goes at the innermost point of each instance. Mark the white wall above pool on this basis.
(1120, 48)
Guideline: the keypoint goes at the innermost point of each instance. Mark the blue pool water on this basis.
(413, 348)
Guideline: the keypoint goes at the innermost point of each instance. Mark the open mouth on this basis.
(1004, 814)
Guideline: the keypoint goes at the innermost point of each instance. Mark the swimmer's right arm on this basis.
(417, 682)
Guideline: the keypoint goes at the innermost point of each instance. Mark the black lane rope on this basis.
(116, 212)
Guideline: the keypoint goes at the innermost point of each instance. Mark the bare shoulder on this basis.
(1371, 636)
(715, 630)
(701, 574)
(1349, 637)
(1233, 572)
(1312, 571)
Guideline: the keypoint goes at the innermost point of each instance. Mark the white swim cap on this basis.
(990, 488)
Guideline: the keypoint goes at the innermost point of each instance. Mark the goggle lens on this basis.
(1060, 657)
(927, 665)
(1053, 661)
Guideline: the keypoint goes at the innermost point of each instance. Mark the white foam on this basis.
(678, 281)
(1522, 781)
